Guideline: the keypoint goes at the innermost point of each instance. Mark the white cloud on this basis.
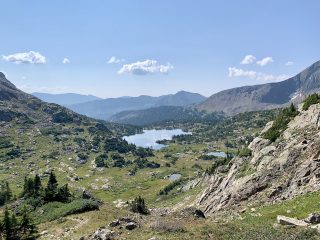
(248, 59)
(236, 72)
(265, 61)
(113, 59)
(65, 61)
(289, 63)
(145, 67)
(26, 57)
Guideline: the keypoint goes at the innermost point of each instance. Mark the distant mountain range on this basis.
(65, 99)
(105, 108)
(146, 109)
(265, 96)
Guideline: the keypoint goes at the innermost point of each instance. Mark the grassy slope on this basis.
(146, 184)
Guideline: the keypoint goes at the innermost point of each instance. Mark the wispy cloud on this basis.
(145, 67)
(65, 61)
(26, 57)
(289, 63)
(30, 89)
(237, 72)
(114, 60)
(248, 59)
(265, 61)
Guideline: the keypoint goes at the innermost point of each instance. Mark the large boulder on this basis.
(103, 233)
(283, 220)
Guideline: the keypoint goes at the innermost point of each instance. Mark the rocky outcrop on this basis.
(275, 171)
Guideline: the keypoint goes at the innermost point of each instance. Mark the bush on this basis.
(5, 142)
(118, 160)
(280, 124)
(170, 187)
(138, 206)
(144, 152)
(100, 160)
(244, 152)
(55, 210)
(62, 117)
(217, 163)
(310, 100)
(144, 163)
(119, 145)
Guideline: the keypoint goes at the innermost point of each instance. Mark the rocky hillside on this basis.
(265, 96)
(18, 108)
(276, 171)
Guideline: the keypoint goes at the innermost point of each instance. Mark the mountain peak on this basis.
(265, 96)
(7, 89)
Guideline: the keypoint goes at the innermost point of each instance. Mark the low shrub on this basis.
(55, 210)
(310, 100)
(280, 124)
(244, 152)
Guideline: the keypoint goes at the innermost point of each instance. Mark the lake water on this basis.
(217, 154)
(149, 137)
(175, 177)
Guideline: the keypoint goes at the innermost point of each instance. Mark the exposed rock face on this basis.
(276, 171)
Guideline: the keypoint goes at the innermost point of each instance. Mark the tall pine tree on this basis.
(52, 188)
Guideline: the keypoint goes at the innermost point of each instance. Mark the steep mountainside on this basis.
(65, 98)
(265, 96)
(21, 109)
(276, 171)
(103, 109)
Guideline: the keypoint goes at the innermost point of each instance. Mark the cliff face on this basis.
(276, 171)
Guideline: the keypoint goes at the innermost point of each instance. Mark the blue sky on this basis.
(159, 47)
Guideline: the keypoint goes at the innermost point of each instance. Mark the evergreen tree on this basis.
(5, 193)
(8, 192)
(28, 187)
(14, 227)
(52, 188)
(37, 185)
(63, 194)
(27, 228)
(292, 108)
(7, 225)
(138, 206)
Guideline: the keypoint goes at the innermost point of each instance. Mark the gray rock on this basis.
(313, 218)
(103, 233)
(283, 220)
(114, 223)
(131, 225)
